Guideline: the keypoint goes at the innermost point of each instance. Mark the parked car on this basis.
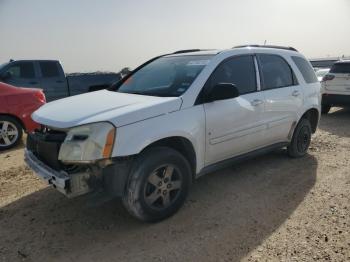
(321, 72)
(174, 119)
(16, 106)
(336, 86)
(49, 75)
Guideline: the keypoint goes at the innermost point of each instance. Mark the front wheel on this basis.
(301, 139)
(10, 132)
(158, 184)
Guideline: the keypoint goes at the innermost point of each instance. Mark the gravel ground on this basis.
(271, 208)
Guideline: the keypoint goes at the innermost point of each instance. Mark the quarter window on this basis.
(275, 72)
(305, 69)
(22, 70)
(239, 70)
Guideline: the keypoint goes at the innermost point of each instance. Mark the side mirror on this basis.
(222, 91)
(6, 75)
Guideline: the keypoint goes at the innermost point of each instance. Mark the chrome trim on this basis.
(257, 72)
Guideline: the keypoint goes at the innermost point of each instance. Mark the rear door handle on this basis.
(33, 83)
(296, 93)
(256, 102)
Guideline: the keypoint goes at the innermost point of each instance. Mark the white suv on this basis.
(173, 119)
(336, 86)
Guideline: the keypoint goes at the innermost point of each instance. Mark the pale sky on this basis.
(108, 35)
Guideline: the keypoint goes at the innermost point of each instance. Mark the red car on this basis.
(16, 107)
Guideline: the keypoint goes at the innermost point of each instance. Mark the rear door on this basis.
(22, 74)
(53, 80)
(234, 126)
(341, 81)
(283, 97)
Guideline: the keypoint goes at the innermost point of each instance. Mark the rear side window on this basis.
(22, 70)
(275, 72)
(305, 69)
(341, 68)
(239, 71)
(49, 69)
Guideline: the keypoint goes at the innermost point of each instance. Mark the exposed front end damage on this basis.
(107, 175)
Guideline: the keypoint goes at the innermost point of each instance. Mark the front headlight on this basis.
(88, 143)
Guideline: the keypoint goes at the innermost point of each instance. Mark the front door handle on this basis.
(296, 93)
(256, 102)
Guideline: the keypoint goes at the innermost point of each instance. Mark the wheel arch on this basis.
(181, 144)
(313, 115)
(16, 118)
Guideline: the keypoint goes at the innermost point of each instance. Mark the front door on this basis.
(234, 126)
(22, 74)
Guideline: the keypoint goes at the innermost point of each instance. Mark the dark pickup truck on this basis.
(49, 76)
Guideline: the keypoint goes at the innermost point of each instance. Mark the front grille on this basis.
(45, 145)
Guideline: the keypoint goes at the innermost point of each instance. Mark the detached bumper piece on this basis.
(71, 185)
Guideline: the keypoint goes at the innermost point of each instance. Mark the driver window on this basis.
(22, 70)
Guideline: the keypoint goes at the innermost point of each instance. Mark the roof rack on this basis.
(187, 51)
(269, 46)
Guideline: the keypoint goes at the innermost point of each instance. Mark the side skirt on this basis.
(237, 159)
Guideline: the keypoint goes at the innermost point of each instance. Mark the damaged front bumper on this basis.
(71, 185)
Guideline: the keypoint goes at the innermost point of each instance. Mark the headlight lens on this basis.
(88, 143)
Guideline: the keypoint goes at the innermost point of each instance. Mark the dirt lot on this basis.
(271, 208)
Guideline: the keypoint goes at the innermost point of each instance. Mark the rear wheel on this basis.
(10, 132)
(158, 184)
(325, 109)
(301, 139)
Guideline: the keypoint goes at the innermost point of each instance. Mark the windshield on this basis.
(166, 76)
(3, 65)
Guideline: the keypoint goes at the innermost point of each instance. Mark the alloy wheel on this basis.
(163, 187)
(8, 133)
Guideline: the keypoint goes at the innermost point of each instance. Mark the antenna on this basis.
(265, 42)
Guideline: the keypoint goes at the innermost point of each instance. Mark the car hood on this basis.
(118, 108)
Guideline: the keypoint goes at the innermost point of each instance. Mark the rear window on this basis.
(341, 68)
(49, 69)
(275, 72)
(305, 69)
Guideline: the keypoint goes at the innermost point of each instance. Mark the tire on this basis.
(158, 184)
(301, 139)
(10, 132)
(325, 109)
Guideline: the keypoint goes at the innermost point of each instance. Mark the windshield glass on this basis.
(3, 65)
(166, 76)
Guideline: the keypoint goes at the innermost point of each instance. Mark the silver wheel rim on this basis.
(163, 187)
(8, 133)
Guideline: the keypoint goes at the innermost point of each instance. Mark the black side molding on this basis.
(237, 159)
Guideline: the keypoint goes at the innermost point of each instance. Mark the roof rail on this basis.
(269, 46)
(187, 51)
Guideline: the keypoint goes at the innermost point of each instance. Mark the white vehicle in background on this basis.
(336, 86)
(173, 119)
(321, 72)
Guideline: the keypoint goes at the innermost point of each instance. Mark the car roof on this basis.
(193, 52)
(36, 60)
